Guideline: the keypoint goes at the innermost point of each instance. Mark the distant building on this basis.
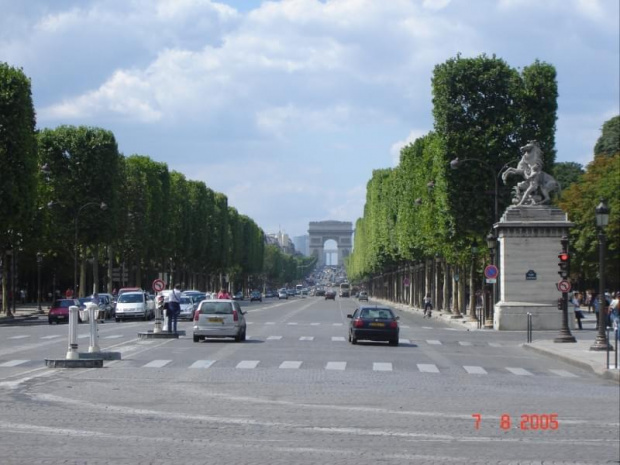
(283, 241)
(302, 244)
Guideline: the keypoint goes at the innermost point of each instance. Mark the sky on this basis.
(288, 106)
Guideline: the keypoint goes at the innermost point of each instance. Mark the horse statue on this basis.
(536, 187)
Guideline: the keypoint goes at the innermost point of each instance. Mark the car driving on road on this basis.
(373, 324)
(219, 318)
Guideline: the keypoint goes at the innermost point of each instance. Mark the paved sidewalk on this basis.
(577, 353)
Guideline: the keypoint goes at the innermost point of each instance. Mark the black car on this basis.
(320, 293)
(330, 295)
(373, 324)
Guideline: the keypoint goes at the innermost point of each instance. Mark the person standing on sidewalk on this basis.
(428, 306)
(174, 308)
(576, 301)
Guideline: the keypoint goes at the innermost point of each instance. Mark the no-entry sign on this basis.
(158, 285)
(564, 286)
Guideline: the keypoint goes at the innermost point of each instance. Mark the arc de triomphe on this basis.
(339, 231)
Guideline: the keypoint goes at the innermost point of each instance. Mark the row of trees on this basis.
(68, 195)
(423, 210)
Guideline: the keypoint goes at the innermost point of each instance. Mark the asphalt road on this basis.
(296, 392)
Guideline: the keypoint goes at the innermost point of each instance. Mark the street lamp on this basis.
(602, 220)
(39, 263)
(491, 245)
(472, 285)
(102, 206)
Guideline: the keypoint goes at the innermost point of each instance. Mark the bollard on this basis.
(158, 314)
(616, 347)
(72, 351)
(93, 310)
(529, 327)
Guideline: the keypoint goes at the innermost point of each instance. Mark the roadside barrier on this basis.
(613, 347)
(529, 327)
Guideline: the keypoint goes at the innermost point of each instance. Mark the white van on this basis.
(134, 305)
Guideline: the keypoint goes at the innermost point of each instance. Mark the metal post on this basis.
(157, 328)
(93, 309)
(529, 327)
(39, 261)
(601, 342)
(72, 351)
(565, 334)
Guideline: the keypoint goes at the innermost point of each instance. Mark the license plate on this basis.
(215, 320)
(377, 325)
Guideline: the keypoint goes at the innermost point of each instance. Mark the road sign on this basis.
(491, 280)
(491, 272)
(158, 285)
(564, 286)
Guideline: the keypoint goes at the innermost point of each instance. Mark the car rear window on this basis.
(131, 298)
(382, 313)
(215, 307)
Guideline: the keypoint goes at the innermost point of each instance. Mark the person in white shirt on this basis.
(174, 308)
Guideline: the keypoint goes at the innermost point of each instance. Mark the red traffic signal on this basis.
(564, 257)
(564, 264)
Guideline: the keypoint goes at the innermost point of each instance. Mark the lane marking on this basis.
(292, 323)
(336, 366)
(465, 343)
(157, 364)
(53, 336)
(274, 338)
(434, 342)
(290, 365)
(495, 344)
(428, 368)
(338, 338)
(519, 371)
(306, 338)
(336, 324)
(13, 363)
(474, 370)
(270, 323)
(248, 364)
(202, 364)
(315, 324)
(379, 366)
(114, 336)
(564, 373)
(404, 341)
(18, 337)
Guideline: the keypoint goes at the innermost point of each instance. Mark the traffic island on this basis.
(74, 363)
(160, 335)
(101, 355)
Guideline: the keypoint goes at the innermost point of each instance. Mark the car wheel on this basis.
(243, 335)
(353, 339)
(51, 322)
(117, 320)
(394, 342)
(196, 339)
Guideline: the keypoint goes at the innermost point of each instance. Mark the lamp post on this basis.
(472, 286)
(492, 246)
(39, 263)
(102, 206)
(602, 220)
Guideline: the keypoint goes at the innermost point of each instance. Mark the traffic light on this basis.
(560, 303)
(564, 264)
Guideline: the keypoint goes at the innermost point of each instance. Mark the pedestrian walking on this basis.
(174, 308)
(577, 309)
(428, 306)
(223, 294)
(588, 301)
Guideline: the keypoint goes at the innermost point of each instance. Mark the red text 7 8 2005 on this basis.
(527, 422)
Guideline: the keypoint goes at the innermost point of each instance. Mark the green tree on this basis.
(609, 141)
(567, 173)
(18, 163)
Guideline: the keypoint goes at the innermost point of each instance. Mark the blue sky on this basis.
(288, 106)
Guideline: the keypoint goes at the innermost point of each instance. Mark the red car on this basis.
(330, 295)
(59, 311)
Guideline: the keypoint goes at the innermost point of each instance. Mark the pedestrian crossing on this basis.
(402, 341)
(378, 367)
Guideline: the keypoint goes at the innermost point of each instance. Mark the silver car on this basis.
(187, 308)
(219, 318)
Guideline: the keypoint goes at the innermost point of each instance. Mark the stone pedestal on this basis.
(529, 239)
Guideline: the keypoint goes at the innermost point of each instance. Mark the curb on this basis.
(613, 375)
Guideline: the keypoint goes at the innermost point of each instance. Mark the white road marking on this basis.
(433, 342)
(519, 371)
(292, 323)
(270, 323)
(428, 368)
(427, 327)
(13, 363)
(404, 341)
(495, 344)
(405, 326)
(337, 324)
(473, 370)
(564, 373)
(274, 338)
(465, 343)
(53, 336)
(338, 338)
(18, 337)
(290, 364)
(114, 336)
(315, 324)
(157, 364)
(376, 366)
(83, 336)
(336, 366)
(202, 364)
(248, 364)
(306, 338)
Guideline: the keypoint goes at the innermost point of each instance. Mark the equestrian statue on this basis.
(536, 187)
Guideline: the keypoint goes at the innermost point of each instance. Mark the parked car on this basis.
(374, 324)
(256, 295)
(219, 318)
(290, 292)
(59, 311)
(330, 295)
(270, 293)
(282, 294)
(363, 296)
(320, 293)
(134, 305)
(238, 296)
